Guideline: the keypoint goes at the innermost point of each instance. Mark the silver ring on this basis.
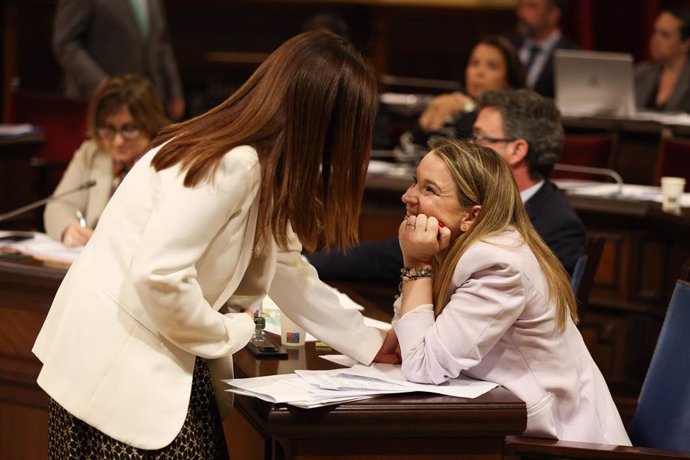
(411, 225)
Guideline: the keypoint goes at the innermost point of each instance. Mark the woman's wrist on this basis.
(415, 273)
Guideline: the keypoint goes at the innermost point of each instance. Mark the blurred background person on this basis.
(493, 65)
(537, 39)
(124, 117)
(95, 39)
(664, 83)
(327, 22)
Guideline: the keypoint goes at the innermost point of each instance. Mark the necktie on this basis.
(533, 53)
(141, 15)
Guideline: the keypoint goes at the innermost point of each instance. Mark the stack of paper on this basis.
(43, 247)
(308, 389)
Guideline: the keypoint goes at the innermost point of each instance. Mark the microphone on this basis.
(592, 170)
(35, 204)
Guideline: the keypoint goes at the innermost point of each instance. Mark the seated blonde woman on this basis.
(123, 118)
(483, 296)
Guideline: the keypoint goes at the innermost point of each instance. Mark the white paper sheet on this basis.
(316, 388)
(43, 247)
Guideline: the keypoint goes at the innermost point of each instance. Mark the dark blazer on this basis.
(95, 39)
(545, 84)
(647, 83)
(548, 209)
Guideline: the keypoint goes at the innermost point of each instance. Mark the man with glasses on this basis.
(526, 130)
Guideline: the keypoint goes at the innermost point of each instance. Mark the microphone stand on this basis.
(38, 203)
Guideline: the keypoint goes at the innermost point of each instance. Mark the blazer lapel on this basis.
(126, 10)
(675, 102)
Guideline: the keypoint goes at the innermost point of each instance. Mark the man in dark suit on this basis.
(97, 39)
(526, 130)
(538, 37)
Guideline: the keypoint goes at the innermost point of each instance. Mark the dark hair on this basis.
(536, 119)
(683, 15)
(134, 92)
(560, 4)
(329, 22)
(308, 110)
(515, 71)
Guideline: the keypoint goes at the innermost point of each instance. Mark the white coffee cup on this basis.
(671, 192)
(291, 335)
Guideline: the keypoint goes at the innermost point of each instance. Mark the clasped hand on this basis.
(421, 238)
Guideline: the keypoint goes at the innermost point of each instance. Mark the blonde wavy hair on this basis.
(482, 177)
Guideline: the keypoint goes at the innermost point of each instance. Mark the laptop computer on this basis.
(594, 83)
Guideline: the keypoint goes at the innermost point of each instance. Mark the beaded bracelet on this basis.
(415, 273)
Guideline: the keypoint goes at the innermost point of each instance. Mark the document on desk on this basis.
(43, 247)
(309, 389)
(608, 190)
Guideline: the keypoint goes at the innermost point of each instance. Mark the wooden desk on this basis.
(410, 426)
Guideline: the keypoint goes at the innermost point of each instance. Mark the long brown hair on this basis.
(308, 110)
(483, 178)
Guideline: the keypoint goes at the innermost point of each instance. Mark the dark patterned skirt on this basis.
(201, 436)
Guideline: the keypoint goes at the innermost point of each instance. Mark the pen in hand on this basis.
(80, 218)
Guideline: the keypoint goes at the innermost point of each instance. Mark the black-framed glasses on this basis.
(489, 140)
(128, 132)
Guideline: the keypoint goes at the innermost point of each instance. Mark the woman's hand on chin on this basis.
(421, 238)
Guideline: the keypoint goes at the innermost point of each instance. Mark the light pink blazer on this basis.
(499, 326)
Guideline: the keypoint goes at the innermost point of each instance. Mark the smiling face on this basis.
(122, 136)
(486, 70)
(434, 193)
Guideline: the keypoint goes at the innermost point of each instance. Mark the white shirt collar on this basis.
(528, 193)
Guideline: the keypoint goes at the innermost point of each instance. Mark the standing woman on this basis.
(197, 223)
(123, 118)
(483, 295)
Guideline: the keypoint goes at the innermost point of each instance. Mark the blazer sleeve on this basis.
(72, 19)
(177, 235)
(60, 213)
(309, 302)
(487, 301)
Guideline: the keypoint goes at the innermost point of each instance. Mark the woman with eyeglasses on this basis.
(123, 119)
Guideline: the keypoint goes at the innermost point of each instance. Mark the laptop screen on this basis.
(594, 83)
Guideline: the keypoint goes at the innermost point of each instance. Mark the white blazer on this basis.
(143, 299)
(500, 326)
